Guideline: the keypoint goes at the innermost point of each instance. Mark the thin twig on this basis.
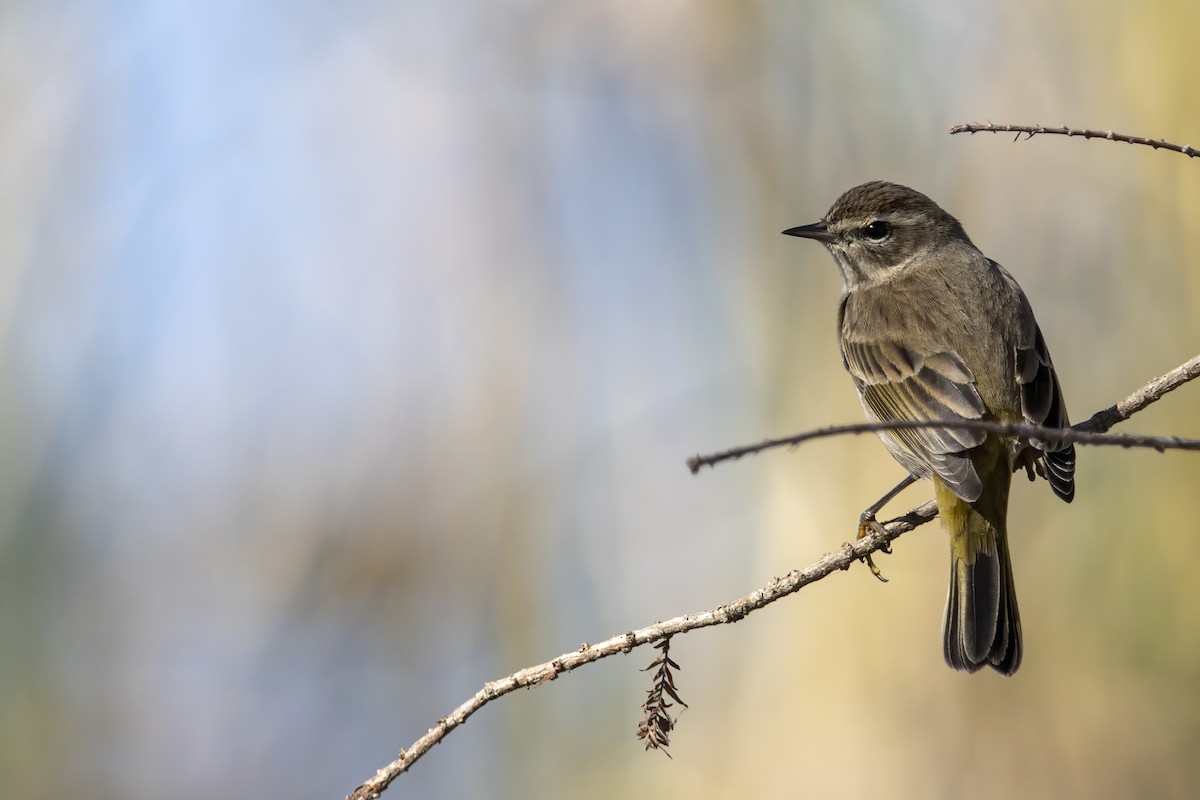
(1089, 432)
(1031, 130)
(777, 588)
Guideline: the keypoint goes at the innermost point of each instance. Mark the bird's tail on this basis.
(982, 626)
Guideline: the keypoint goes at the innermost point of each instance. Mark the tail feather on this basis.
(982, 626)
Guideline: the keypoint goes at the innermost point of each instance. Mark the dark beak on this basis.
(818, 231)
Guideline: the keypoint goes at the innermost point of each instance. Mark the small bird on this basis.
(932, 329)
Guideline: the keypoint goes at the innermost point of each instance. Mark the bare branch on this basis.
(1089, 432)
(1031, 130)
(735, 610)
(1150, 393)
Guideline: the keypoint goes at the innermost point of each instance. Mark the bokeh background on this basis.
(352, 352)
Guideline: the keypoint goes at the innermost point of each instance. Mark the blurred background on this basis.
(352, 352)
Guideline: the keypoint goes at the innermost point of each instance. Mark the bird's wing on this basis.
(1042, 404)
(899, 384)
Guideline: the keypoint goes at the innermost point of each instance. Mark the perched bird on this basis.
(932, 329)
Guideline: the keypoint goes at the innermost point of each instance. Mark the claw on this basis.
(867, 524)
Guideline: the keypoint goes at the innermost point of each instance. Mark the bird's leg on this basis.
(867, 523)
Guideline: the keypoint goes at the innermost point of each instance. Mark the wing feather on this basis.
(899, 384)
(1042, 404)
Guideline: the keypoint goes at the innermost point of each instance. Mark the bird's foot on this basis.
(868, 525)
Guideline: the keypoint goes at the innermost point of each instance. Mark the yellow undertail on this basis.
(982, 626)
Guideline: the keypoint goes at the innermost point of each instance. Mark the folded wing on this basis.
(898, 384)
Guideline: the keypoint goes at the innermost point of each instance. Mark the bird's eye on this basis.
(877, 231)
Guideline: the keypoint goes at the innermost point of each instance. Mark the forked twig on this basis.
(1089, 432)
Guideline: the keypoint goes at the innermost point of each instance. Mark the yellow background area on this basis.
(350, 355)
